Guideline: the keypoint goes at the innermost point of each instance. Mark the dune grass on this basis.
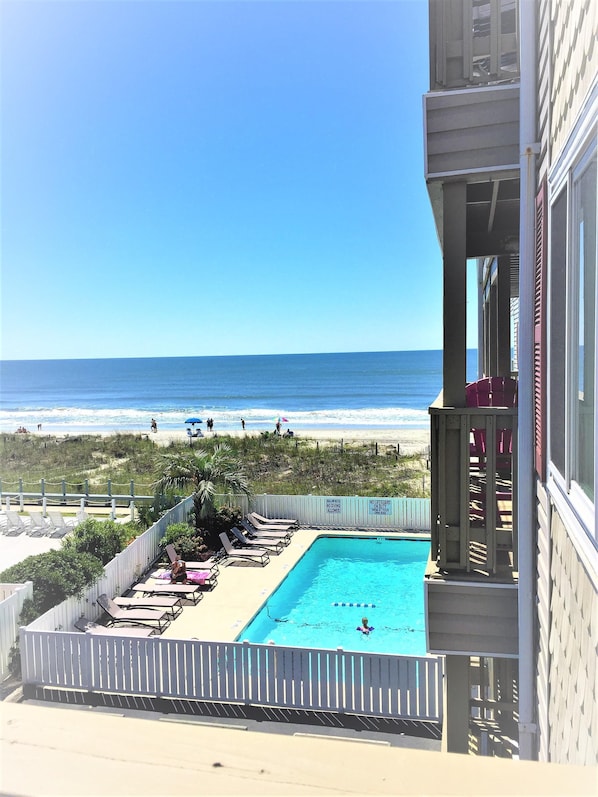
(274, 465)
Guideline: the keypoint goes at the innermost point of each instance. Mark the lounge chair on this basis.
(89, 627)
(282, 535)
(280, 521)
(135, 616)
(258, 555)
(60, 526)
(38, 525)
(209, 564)
(189, 591)
(171, 604)
(268, 526)
(275, 546)
(14, 524)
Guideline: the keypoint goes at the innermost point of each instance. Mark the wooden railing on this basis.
(473, 43)
(473, 477)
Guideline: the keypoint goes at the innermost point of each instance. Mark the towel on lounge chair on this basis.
(194, 576)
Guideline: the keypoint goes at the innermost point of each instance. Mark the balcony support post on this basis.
(456, 697)
(454, 348)
(503, 332)
(455, 294)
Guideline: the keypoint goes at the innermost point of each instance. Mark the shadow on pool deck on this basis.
(396, 732)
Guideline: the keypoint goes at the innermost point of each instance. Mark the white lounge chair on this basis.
(284, 536)
(281, 521)
(135, 616)
(268, 525)
(190, 592)
(258, 555)
(60, 526)
(89, 627)
(38, 525)
(170, 603)
(272, 545)
(209, 564)
(14, 524)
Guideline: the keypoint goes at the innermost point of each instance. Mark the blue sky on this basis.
(196, 178)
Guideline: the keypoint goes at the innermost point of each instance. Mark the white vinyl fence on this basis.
(408, 687)
(124, 570)
(350, 512)
(12, 597)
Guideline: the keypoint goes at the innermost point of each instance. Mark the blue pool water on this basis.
(385, 573)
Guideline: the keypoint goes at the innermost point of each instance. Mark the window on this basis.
(572, 324)
(583, 313)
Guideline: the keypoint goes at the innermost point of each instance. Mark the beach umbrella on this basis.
(194, 420)
(281, 419)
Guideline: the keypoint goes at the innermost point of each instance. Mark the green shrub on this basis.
(151, 513)
(56, 575)
(187, 540)
(223, 520)
(101, 538)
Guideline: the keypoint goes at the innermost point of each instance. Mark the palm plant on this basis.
(206, 472)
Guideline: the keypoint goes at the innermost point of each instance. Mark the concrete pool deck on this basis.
(243, 587)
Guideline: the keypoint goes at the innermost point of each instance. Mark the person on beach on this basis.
(242, 423)
(154, 425)
(178, 572)
(278, 427)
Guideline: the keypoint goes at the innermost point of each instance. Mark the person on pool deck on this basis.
(365, 627)
(178, 573)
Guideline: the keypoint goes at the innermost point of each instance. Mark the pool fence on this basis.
(377, 685)
(12, 597)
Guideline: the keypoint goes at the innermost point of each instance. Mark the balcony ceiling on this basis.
(492, 218)
(492, 215)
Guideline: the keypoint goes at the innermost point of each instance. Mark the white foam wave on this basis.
(123, 419)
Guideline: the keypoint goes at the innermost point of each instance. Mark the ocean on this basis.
(375, 390)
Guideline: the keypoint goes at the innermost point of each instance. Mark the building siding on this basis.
(573, 651)
(574, 25)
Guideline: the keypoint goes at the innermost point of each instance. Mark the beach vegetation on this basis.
(205, 473)
(272, 464)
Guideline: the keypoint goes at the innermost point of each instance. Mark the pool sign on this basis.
(379, 506)
(333, 506)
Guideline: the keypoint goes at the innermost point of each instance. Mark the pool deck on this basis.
(243, 587)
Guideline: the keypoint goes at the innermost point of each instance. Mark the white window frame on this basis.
(569, 497)
(578, 495)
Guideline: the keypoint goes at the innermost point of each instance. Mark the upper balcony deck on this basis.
(471, 117)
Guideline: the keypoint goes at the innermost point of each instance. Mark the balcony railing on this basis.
(474, 501)
(473, 43)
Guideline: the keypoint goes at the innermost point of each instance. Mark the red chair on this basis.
(492, 391)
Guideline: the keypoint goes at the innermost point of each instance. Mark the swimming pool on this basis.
(381, 576)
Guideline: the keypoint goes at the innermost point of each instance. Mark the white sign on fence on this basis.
(380, 506)
(333, 506)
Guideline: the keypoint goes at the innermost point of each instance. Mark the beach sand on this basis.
(411, 441)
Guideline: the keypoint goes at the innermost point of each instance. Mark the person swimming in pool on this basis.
(365, 627)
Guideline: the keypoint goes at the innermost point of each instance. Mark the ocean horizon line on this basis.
(215, 356)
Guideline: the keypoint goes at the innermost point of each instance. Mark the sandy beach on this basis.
(411, 441)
